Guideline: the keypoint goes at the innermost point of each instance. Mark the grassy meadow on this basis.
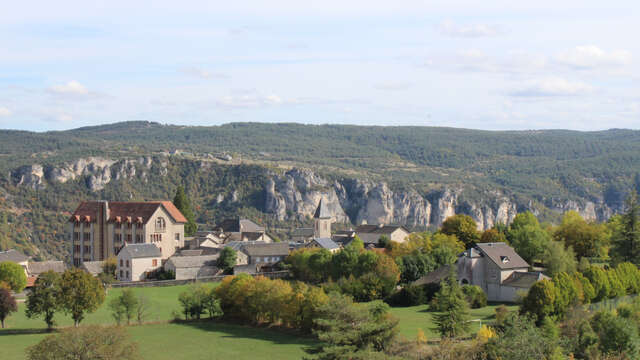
(158, 339)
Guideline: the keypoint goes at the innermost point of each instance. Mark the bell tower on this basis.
(322, 221)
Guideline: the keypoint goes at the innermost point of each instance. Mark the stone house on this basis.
(498, 270)
(370, 234)
(136, 261)
(266, 253)
(192, 267)
(241, 230)
(99, 229)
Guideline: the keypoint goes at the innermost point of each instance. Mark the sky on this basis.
(495, 65)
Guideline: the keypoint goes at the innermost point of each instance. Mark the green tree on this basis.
(600, 282)
(586, 239)
(492, 236)
(80, 293)
(86, 343)
(348, 330)
(7, 304)
(540, 301)
(227, 259)
(43, 300)
(124, 306)
(618, 336)
(559, 259)
(520, 339)
(182, 202)
(463, 227)
(626, 237)
(529, 241)
(453, 317)
(13, 274)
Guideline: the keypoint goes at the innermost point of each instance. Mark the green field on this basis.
(202, 340)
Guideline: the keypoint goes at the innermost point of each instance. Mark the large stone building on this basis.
(99, 229)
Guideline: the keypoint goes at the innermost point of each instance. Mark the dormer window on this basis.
(504, 259)
(161, 225)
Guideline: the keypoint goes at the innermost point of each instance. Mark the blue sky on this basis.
(484, 65)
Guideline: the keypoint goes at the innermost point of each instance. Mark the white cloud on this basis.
(449, 28)
(590, 56)
(71, 88)
(552, 87)
(202, 73)
(4, 111)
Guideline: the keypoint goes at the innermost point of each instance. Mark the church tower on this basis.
(322, 221)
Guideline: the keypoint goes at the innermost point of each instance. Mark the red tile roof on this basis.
(130, 210)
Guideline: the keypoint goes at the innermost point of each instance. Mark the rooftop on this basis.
(125, 211)
(194, 261)
(379, 229)
(136, 251)
(502, 255)
(13, 256)
(268, 249)
(322, 211)
(326, 243)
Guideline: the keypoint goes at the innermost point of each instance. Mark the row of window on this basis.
(76, 236)
(268, 259)
(78, 249)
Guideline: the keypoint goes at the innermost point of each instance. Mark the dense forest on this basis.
(536, 168)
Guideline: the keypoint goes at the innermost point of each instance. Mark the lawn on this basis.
(203, 340)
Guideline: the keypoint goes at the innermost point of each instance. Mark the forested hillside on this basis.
(275, 173)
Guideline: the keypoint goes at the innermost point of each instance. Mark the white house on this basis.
(136, 261)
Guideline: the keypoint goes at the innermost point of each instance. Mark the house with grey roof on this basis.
(265, 252)
(193, 267)
(323, 243)
(238, 229)
(36, 268)
(93, 267)
(495, 267)
(370, 234)
(136, 262)
(498, 270)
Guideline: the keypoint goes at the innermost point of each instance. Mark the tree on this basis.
(86, 343)
(626, 238)
(384, 242)
(475, 296)
(182, 202)
(540, 301)
(108, 274)
(492, 236)
(587, 240)
(13, 274)
(80, 293)
(618, 336)
(529, 241)
(194, 301)
(453, 319)
(43, 300)
(143, 308)
(559, 259)
(600, 282)
(7, 304)
(124, 306)
(353, 331)
(227, 259)
(519, 339)
(463, 227)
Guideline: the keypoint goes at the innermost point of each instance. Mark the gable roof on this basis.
(93, 267)
(322, 211)
(13, 256)
(137, 251)
(38, 267)
(305, 232)
(239, 225)
(379, 229)
(268, 249)
(523, 279)
(194, 261)
(502, 255)
(435, 276)
(125, 211)
(325, 243)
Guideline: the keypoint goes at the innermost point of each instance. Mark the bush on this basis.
(618, 336)
(13, 274)
(409, 295)
(475, 296)
(87, 342)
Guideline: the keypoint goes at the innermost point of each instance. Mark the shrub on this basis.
(475, 296)
(13, 274)
(409, 295)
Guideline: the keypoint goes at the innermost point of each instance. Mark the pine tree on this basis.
(453, 321)
(183, 203)
(626, 239)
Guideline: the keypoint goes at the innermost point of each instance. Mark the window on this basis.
(128, 238)
(160, 224)
(76, 236)
(138, 238)
(154, 262)
(121, 273)
(127, 263)
(87, 249)
(127, 274)
(87, 236)
(177, 236)
(121, 262)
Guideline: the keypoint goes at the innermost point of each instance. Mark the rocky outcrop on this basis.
(31, 176)
(297, 192)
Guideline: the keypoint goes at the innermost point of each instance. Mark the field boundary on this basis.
(271, 275)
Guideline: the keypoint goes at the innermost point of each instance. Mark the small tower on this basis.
(322, 221)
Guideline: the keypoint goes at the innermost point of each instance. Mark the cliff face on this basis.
(296, 193)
